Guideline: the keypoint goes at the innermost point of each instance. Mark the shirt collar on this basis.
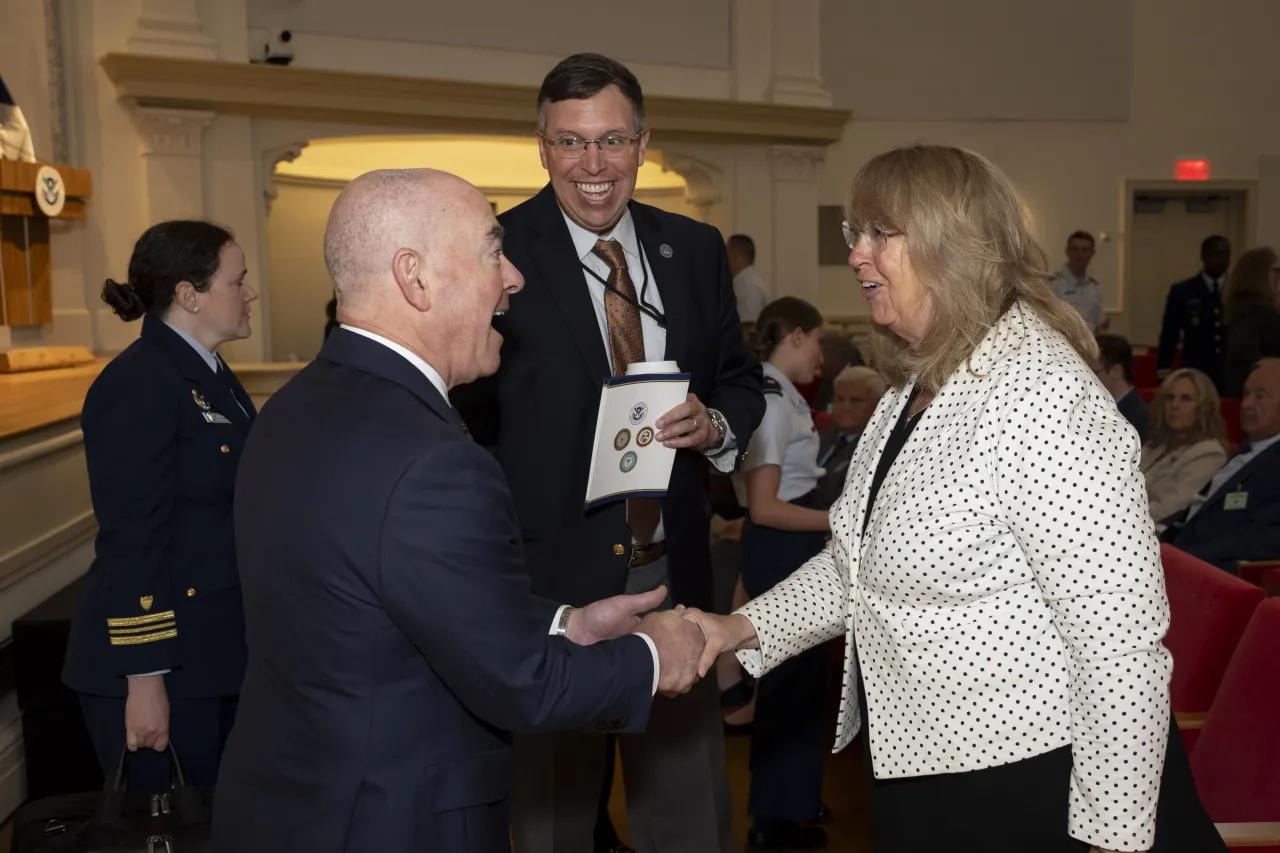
(788, 390)
(1068, 275)
(624, 232)
(416, 360)
(208, 356)
(1212, 282)
(1256, 447)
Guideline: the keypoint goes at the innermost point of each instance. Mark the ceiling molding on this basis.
(269, 91)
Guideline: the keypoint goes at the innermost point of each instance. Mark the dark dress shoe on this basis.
(784, 836)
(824, 816)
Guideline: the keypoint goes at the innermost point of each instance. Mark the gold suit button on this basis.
(191, 593)
(225, 449)
(618, 549)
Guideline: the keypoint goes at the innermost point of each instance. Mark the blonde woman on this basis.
(992, 564)
(1186, 444)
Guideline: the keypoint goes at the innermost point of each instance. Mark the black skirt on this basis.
(1018, 807)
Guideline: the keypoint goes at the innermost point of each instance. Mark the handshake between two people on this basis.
(688, 640)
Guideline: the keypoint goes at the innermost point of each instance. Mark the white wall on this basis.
(692, 33)
(1196, 78)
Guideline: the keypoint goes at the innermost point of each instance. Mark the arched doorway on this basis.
(505, 168)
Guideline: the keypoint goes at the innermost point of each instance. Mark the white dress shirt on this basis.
(750, 293)
(438, 381)
(655, 336)
(786, 437)
(1008, 581)
(1215, 284)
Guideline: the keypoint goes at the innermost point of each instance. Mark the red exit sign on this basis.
(1191, 170)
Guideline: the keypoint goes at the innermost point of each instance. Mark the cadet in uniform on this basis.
(157, 648)
(785, 526)
(1193, 315)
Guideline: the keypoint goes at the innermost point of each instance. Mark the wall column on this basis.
(795, 221)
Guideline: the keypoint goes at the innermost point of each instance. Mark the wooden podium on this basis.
(26, 271)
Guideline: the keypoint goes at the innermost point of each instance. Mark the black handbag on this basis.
(115, 821)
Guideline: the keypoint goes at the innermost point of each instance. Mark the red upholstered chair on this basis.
(1147, 394)
(1144, 369)
(1231, 417)
(1209, 609)
(1236, 762)
(1254, 571)
(821, 420)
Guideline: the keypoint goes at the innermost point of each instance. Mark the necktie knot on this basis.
(611, 252)
(1244, 448)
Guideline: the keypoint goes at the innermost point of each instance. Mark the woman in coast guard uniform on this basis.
(785, 526)
(157, 649)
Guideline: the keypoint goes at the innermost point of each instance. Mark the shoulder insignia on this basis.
(772, 386)
(145, 601)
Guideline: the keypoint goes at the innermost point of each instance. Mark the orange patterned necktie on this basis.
(626, 338)
(626, 344)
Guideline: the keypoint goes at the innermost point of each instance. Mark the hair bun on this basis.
(123, 299)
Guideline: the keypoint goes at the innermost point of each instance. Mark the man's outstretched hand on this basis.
(611, 618)
(679, 642)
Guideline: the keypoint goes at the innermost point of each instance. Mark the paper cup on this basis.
(640, 367)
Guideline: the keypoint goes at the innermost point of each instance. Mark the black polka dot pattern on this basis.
(1007, 598)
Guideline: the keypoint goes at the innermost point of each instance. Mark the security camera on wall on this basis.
(278, 49)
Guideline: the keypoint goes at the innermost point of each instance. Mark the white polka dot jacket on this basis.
(1007, 597)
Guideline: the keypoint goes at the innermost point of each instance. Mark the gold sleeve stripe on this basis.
(144, 638)
(140, 620)
(145, 629)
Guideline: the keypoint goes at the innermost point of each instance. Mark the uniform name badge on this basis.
(626, 459)
(1236, 500)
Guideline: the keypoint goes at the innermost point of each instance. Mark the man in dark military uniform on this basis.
(1193, 315)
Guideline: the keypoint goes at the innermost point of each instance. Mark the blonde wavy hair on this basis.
(970, 242)
(1208, 413)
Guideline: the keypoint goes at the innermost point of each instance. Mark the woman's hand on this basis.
(723, 633)
(146, 714)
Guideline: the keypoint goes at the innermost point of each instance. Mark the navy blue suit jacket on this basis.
(538, 413)
(393, 639)
(1193, 315)
(1224, 536)
(1135, 410)
(162, 438)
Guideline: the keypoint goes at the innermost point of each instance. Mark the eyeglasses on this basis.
(878, 237)
(575, 147)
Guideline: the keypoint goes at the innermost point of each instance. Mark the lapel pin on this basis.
(195, 395)
(665, 250)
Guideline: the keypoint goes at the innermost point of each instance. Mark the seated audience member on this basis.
(1186, 442)
(1253, 322)
(857, 392)
(1115, 370)
(838, 352)
(1237, 516)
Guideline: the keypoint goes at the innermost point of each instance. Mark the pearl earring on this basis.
(196, 310)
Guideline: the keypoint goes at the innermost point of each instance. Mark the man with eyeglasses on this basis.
(610, 282)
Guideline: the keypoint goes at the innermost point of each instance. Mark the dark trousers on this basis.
(789, 740)
(198, 730)
(1019, 807)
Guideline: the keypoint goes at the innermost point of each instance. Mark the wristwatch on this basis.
(720, 424)
(562, 624)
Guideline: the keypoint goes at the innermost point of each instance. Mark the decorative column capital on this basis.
(797, 163)
(174, 133)
(271, 158)
(701, 181)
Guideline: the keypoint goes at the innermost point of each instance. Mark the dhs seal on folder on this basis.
(627, 460)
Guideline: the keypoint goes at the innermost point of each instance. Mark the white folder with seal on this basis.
(627, 460)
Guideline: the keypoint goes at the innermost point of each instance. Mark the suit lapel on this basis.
(1241, 476)
(557, 262)
(671, 275)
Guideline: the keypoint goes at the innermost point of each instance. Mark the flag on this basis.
(15, 136)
